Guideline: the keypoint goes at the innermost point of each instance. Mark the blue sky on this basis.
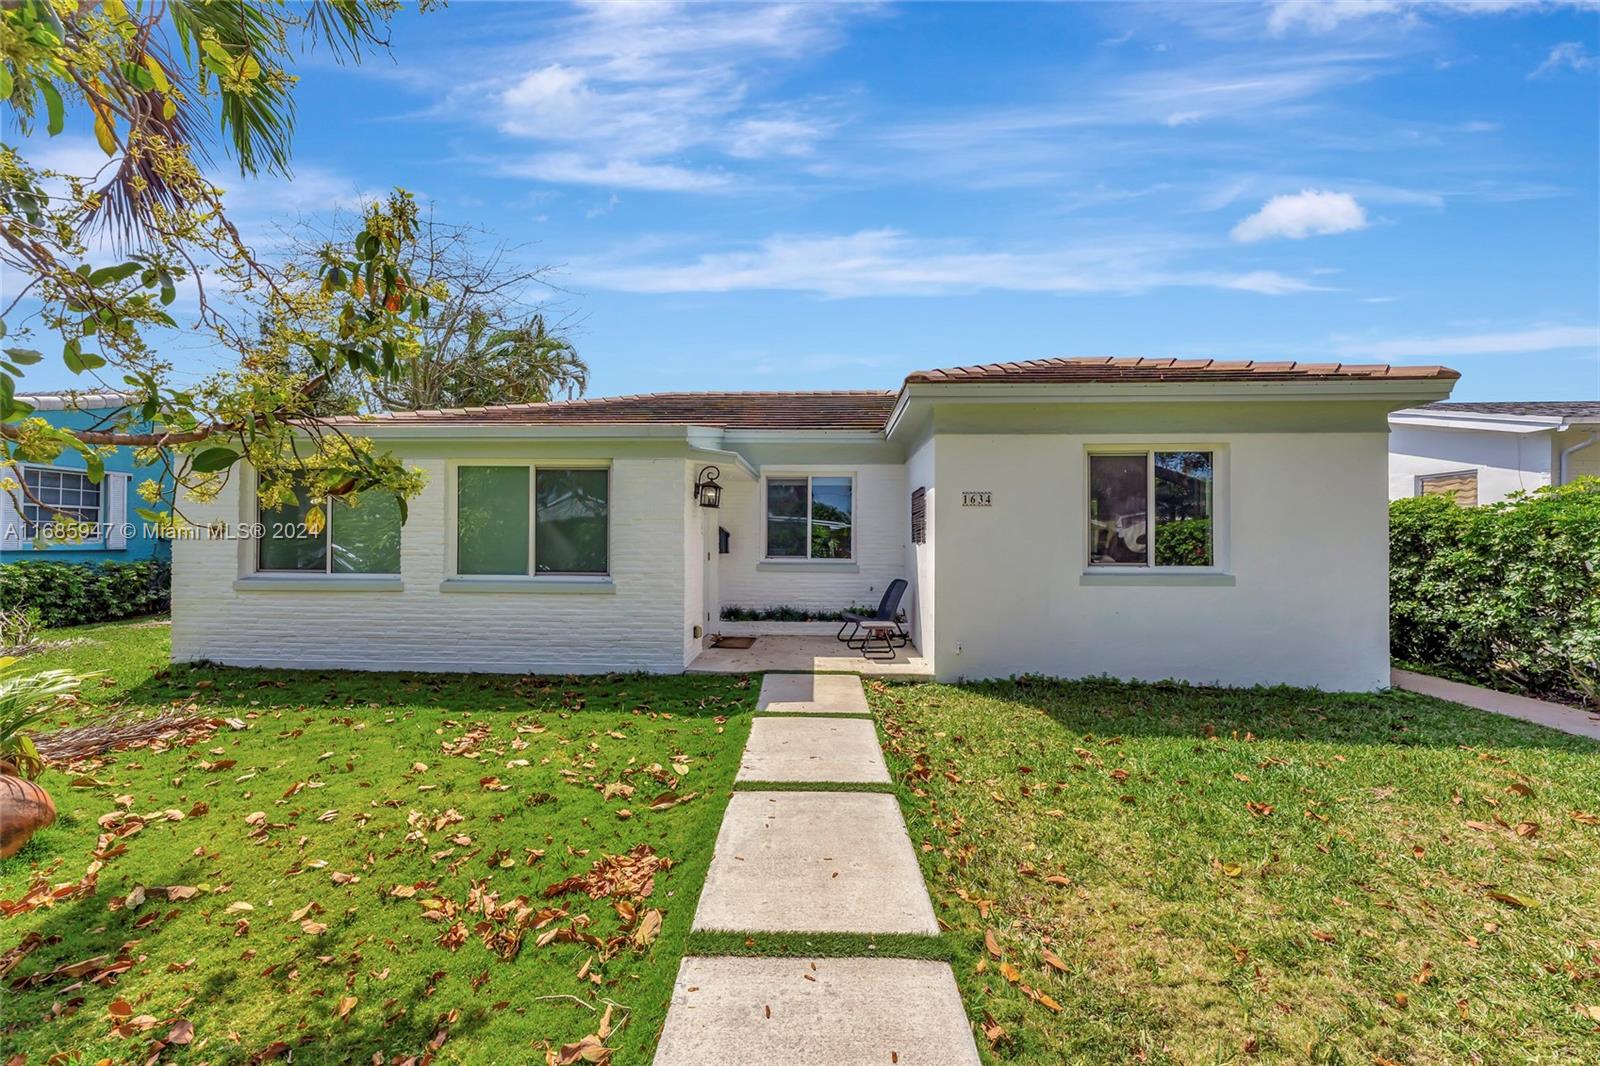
(827, 196)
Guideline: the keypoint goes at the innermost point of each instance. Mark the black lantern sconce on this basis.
(706, 489)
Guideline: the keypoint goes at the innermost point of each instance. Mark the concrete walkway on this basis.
(808, 653)
(814, 862)
(1554, 715)
(813, 749)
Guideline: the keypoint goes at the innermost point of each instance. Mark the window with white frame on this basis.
(810, 517)
(1152, 508)
(514, 520)
(54, 499)
(361, 536)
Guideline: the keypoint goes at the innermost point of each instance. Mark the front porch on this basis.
(808, 653)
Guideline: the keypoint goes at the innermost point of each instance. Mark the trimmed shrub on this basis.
(1507, 594)
(73, 594)
(785, 613)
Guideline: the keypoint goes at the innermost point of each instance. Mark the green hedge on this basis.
(1507, 594)
(71, 594)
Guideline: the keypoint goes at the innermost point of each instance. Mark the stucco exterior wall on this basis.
(882, 524)
(421, 627)
(1303, 546)
(1505, 462)
(919, 557)
(1584, 462)
(136, 539)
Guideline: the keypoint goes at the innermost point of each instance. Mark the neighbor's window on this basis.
(360, 537)
(809, 517)
(1129, 490)
(57, 497)
(1461, 486)
(517, 520)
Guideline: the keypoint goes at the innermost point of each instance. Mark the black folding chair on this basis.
(888, 608)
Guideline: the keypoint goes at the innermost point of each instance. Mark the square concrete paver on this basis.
(813, 749)
(812, 694)
(799, 1012)
(821, 862)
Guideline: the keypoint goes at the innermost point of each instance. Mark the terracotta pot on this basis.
(25, 808)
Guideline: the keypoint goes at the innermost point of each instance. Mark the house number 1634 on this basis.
(977, 499)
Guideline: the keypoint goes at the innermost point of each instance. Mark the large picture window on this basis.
(810, 517)
(360, 537)
(519, 521)
(1151, 508)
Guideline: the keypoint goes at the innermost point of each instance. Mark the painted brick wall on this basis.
(882, 531)
(424, 628)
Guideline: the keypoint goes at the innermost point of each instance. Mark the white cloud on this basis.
(760, 137)
(1183, 118)
(1537, 339)
(1304, 214)
(1569, 54)
(1325, 16)
(1321, 16)
(637, 95)
(578, 169)
(887, 262)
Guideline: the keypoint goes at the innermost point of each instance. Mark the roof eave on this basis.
(1399, 391)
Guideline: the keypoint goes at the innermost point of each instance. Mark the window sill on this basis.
(319, 583)
(841, 566)
(1156, 578)
(592, 586)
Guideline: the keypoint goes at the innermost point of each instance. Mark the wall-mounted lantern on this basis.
(706, 489)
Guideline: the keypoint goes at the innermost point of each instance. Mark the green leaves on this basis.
(78, 360)
(214, 460)
(113, 274)
(54, 108)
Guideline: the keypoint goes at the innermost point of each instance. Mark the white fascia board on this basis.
(1482, 422)
(456, 431)
(1400, 391)
(803, 436)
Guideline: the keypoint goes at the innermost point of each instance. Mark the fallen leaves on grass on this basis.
(632, 874)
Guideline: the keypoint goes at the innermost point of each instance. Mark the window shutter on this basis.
(10, 519)
(1461, 485)
(919, 516)
(114, 510)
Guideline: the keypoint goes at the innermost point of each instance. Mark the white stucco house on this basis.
(1214, 522)
(1481, 452)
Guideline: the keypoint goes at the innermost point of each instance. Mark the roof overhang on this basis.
(1396, 392)
(1481, 421)
(701, 441)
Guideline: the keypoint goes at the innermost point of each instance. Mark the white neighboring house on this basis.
(1482, 452)
(1214, 522)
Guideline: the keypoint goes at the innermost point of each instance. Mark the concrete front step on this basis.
(798, 1012)
(812, 694)
(813, 749)
(819, 862)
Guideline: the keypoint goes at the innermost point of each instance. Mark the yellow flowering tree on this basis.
(93, 264)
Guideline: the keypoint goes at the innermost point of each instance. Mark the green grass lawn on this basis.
(1174, 875)
(348, 857)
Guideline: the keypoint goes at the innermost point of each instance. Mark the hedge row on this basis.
(71, 594)
(1507, 594)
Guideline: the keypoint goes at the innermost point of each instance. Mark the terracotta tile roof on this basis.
(733, 410)
(1551, 408)
(870, 409)
(1108, 370)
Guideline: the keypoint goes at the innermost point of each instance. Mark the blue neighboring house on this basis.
(65, 487)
